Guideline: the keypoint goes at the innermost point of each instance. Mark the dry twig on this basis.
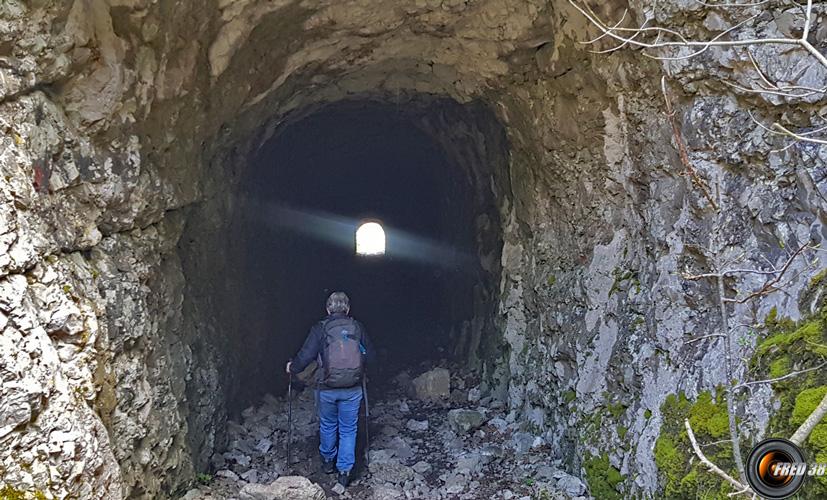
(739, 487)
(783, 377)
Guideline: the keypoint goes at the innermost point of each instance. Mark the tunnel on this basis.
(587, 245)
(291, 237)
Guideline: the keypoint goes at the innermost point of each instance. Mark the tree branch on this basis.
(696, 339)
(804, 430)
(739, 487)
(664, 42)
(770, 285)
(784, 377)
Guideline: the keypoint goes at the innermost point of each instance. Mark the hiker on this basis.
(340, 345)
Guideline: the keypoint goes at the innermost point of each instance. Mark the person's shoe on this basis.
(344, 478)
(328, 466)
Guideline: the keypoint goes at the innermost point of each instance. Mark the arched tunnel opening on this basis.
(585, 246)
(288, 238)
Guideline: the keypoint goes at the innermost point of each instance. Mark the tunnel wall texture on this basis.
(121, 118)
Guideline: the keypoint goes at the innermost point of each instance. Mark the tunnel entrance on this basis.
(429, 170)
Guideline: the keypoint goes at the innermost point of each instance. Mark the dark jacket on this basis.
(313, 347)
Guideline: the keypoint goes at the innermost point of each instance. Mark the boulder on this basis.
(522, 442)
(263, 446)
(462, 420)
(417, 425)
(433, 385)
(251, 476)
(386, 492)
(573, 486)
(421, 467)
(228, 474)
(498, 423)
(283, 488)
(474, 394)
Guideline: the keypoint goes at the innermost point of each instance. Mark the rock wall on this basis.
(117, 117)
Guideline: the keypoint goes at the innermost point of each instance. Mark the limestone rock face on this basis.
(124, 125)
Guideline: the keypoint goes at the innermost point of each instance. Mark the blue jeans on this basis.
(339, 410)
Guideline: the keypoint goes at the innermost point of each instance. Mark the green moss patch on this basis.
(616, 409)
(805, 402)
(603, 479)
(681, 476)
(789, 347)
(9, 493)
(622, 431)
(780, 367)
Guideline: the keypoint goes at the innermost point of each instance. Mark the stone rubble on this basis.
(431, 450)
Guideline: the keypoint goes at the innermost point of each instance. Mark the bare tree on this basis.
(669, 43)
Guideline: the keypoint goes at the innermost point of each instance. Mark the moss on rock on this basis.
(603, 479)
(7, 492)
(789, 347)
(780, 367)
(680, 475)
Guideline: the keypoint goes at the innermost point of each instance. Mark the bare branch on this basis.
(696, 339)
(741, 488)
(816, 344)
(799, 137)
(727, 5)
(619, 34)
(740, 492)
(784, 377)
(770, 286)
(807, 427)
(659, 42)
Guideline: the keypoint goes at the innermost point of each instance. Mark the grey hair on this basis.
(338, 302)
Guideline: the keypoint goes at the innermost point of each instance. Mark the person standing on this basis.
(340, 345)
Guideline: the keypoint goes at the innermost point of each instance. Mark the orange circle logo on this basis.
(776, 468)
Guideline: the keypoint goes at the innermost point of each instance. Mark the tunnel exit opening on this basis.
(433, 173)
(370, 239)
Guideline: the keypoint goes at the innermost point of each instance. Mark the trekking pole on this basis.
(367, 422)
(289, 415)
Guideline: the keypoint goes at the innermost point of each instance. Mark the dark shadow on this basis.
(305, 193)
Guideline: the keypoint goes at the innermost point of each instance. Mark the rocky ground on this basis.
(430, 437)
